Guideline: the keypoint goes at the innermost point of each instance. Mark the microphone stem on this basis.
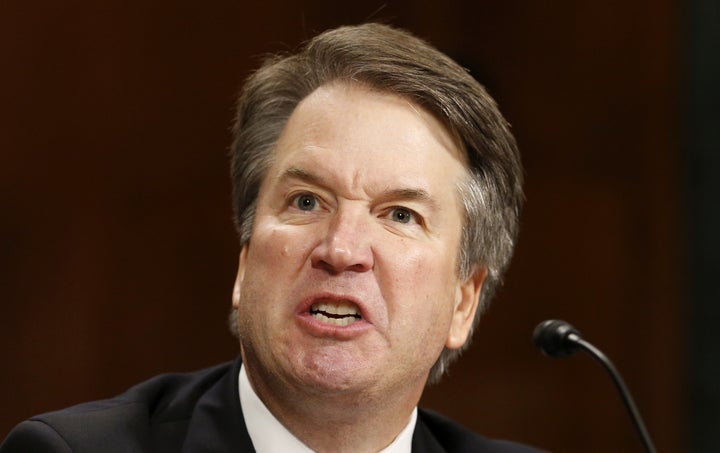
(620, 384)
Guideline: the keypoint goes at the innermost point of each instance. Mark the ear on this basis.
(467, 299)
(239, 277)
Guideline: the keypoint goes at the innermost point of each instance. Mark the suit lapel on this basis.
(423, 440)
(217, 424)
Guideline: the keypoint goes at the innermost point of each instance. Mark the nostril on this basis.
(329, 268)
(336, 259)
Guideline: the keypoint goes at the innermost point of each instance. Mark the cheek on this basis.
(263, 287)
(269, 259)
(429, 265)
(273, 245)
(421, 282)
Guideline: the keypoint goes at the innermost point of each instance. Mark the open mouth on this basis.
(340, 313)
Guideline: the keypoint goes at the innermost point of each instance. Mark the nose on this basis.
(346, 245)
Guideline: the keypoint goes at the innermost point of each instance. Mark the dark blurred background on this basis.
(117, 252)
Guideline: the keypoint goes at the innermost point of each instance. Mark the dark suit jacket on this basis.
(194, 412)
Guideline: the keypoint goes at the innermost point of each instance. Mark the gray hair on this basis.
(394, 61)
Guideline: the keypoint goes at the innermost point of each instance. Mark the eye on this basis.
(402, 215)
(305, 202)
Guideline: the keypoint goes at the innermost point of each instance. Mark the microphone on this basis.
(557, 338)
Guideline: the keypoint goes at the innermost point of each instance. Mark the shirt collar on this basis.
(269, 435)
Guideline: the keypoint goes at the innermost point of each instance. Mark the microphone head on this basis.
(553, 338)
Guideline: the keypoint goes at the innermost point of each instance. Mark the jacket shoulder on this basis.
(35, 436)
(453, 437)
(153, 412)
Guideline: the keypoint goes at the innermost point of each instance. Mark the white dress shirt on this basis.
(268, 435)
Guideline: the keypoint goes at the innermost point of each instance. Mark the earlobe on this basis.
(464, 313)
(239, 278)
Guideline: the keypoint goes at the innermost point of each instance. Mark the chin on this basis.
(330, 375)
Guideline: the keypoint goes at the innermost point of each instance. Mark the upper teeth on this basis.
(340, 308)
(339, 313)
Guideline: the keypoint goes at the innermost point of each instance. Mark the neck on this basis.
(345, 422)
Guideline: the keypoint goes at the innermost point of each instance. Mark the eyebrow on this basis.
(403, 193)
(303, 175)
(410, 194)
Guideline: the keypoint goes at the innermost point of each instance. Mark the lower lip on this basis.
(317, 328)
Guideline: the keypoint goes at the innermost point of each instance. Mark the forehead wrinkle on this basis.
(315, 179)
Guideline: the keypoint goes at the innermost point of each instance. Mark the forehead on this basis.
(350, 97)
(341, 111)
(366, 140)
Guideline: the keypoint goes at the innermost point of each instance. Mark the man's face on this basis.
(349, 282)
